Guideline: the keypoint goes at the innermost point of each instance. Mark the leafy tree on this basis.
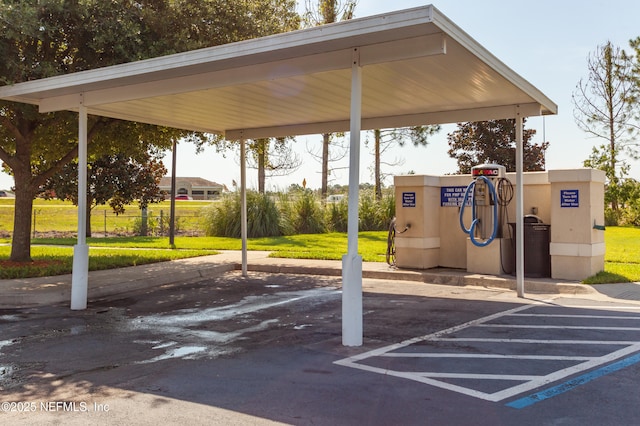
(295, 188)
(383, 140)
(604, 107)
(113, 179)
(328, 12)
(494, 141)
(629, 196)
(44, 38)
(634, 98)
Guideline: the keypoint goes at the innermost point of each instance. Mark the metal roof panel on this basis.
(417, 66)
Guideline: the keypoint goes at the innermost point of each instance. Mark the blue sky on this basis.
(546, 42)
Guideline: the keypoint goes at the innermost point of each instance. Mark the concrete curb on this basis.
(107, 283)
(23, 293)
(452, 278)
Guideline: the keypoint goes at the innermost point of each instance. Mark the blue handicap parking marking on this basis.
(507, 354)
(575, 382)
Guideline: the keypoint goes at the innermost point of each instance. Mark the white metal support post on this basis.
(519, 204)
(243, 203)
(352, 262)
(80, 272)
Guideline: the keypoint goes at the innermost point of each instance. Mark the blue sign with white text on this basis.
(452, 196)
(408, 199)
(569, 198)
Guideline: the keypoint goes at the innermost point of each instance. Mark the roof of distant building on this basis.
(193, 181)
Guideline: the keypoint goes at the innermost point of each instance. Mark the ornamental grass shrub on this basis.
(307, 215)
(337, 215)
(223, 218)
(297, 213)
(370, 218)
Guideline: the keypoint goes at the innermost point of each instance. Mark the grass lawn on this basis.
(48, 261)
(331, 246)
(622, 260)
(53, 256)
(62, 216)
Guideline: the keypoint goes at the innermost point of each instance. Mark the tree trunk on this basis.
(378, 183)
(261, 171)
(21, 240)
(88, 224)
(610, 93)
(326, 139)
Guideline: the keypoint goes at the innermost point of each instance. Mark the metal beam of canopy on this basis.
(404, 68)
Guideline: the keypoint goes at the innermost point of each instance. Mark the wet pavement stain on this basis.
(209, 320)
(6, 371)
(196, 343)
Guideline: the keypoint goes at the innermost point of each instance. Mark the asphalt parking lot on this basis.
(267, 349)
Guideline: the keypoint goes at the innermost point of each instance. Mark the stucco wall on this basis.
(435, 238)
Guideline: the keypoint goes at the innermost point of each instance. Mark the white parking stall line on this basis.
(432, 336)
(574, 316)
(537, 341)
(440, 384)
(484, 356)
(516, 377)
(607, 308)
(551, 366)
(561, 374)
(415, 376)
(562, 327)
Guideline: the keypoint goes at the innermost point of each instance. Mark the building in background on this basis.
(193, 187)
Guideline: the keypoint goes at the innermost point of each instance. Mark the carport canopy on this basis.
(404, 68)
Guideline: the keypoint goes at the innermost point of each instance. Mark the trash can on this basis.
(537, 236)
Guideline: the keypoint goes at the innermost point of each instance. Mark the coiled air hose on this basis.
(474, 216)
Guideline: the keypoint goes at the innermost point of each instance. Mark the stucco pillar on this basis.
(577, 210)
(418, 208)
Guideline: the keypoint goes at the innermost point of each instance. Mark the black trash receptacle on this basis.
(537, 236)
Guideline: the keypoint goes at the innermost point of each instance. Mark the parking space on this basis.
(504, 355)
(267, 350)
